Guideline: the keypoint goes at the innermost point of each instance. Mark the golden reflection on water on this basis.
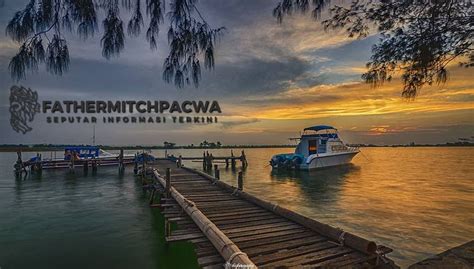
(419, 201)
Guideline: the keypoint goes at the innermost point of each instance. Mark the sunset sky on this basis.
(271, 81)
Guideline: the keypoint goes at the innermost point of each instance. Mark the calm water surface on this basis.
(76, 221)
(418, 201)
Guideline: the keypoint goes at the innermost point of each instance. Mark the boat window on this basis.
(322, 146)
(312, 147)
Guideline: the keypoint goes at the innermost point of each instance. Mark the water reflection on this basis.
(317, 185)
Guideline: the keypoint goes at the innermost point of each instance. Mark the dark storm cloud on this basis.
(253, 76)
(90, 74)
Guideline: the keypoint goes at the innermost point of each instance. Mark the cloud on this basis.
(231, 123)
(359, 99)
(271, 81)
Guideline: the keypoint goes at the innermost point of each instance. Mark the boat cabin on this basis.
(83, 152)
(318, 139)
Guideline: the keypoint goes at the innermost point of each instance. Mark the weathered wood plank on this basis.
(257, 227)
(345, 261)
(252, 223)
(185, 231)
(261, 242)
(264, 231)
(184, 237)
(285, 245)
(236, 212)
(239, 239)
(208, 260)
(218, 208)
(242, 220)
(214, 266)
(282, 255)
(311, 258)
(217, 218)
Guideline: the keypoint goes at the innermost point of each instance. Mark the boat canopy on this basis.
(319, 128)
(84, 151)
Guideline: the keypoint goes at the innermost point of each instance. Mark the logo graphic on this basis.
(23, 107)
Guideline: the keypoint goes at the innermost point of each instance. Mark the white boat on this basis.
(319, 146)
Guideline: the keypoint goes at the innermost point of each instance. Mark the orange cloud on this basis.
(360, 99)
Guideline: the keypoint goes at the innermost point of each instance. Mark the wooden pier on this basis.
(233, 229)
(208, 159)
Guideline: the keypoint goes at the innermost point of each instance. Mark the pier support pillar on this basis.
(216, 172)
(135, 165)
(240, 181)
(204, 165)
(180, 161)
(19, 166)
(243, 159)
(86, 166)
(94, 165)
(71, 164)
(121, 167)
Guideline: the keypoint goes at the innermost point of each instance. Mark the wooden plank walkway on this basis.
(271, 237)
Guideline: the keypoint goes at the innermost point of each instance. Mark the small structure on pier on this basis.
(74, 156)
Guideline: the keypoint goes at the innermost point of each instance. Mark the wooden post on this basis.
(41, 163)
(144, 165)
(226, 162)
(232, 160)
(166, 153)
(204, 165)
(168, 182)
(135, 164)
(216, 171)
(121, 166)
(243, 159)
(240, 181)
(86, 166)
(210, 162)
(37, 166)
(94, 165)
(71, 164)
(19, 167)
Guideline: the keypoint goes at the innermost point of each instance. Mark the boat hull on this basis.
(315, 162)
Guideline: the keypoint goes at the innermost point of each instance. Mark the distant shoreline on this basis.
(29, 148)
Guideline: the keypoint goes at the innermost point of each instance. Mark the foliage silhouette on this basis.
(43, 23)
(418, 38)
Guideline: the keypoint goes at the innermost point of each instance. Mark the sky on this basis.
(271, 81)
